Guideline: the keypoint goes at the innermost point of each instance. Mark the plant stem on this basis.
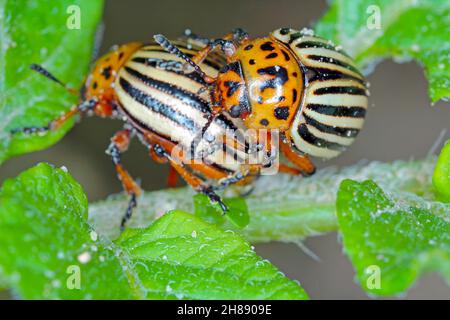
(281, 207)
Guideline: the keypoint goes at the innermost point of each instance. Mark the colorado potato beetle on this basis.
(302, 85)
(168, 110)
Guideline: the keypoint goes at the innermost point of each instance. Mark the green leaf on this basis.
(46, 242)
(180, 256)
(441, 175)
(44, 235)
(391, 243)
(37, 32)
(237, 211)
(410, 29)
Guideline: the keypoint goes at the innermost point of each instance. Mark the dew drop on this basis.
(85, 257)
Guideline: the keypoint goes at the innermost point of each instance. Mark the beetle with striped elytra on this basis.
(295, 82)
(166, 108)
(166, 105)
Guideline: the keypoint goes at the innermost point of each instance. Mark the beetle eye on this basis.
(235, 111)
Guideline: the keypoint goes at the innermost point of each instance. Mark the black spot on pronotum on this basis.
(95, 85)
(106, 72)
(251, 61)
(285, 31)
(272, 55)
(121, 55)
(286, 55)
(267, 46)
(294, 95)
(264, 122)
(281, 113)
(232, 86)
(295, 74)
(248, 47)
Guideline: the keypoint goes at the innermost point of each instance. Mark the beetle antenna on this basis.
(171, 48)
(41, 70)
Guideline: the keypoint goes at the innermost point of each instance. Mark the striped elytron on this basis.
(167, 109)
(293, 81)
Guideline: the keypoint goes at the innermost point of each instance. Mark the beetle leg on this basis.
(289, 170)
(172, 178)
(119, 144)
(195, 182)
(163, 148)
(245, 172)
(58, 122)
(303, 163)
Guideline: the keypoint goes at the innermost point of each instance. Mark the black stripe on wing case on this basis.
(294, 36)
(158, 107)
(323, 74)
(339, 131)
(316, 141)
(184, 96)
(322, 45)
(340, 90)
(338, 111)
(334, 61)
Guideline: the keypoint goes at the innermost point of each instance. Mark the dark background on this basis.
(400, 124)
